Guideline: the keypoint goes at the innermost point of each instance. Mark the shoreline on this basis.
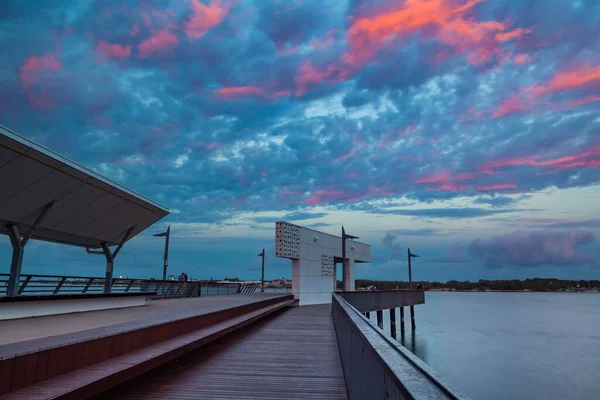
(507, 291)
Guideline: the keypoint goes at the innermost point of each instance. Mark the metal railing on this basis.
(376, 366)
(35, 284)
(213, 289)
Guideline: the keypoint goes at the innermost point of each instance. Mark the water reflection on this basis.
(517, 346)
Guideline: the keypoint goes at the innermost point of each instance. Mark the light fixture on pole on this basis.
(344, 237)
(262, 279)
(166, 234)
(410, 255)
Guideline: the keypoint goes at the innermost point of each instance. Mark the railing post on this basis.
(129, 286)
(368, 315)
(87, 286)
(62, 282)
(402, 320)
(24, 284)
(393, 322)
(380, 318)
(412, 317)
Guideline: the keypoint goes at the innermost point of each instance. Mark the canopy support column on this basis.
(110, 258)
(18, 246)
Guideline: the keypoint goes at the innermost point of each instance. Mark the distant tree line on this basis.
(533, 285)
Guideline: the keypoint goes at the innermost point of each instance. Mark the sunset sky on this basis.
(467, 130)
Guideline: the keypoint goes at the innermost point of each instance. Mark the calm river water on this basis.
(510, 345)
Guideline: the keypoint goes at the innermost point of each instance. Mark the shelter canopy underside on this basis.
(87, 209)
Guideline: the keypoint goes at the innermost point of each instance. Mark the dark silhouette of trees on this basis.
(533, 285)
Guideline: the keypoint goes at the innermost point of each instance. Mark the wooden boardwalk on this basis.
(292, 355)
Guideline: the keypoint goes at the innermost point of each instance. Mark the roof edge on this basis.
(50, 153)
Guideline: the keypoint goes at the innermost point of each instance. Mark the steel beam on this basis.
(18, 246)
(16, 263)
(110, 258)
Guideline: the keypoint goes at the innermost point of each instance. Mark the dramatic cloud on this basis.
(204, 17)
(429, 111)
(389, 242)
(533, 248)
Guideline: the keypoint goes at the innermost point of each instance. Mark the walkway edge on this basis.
(98, 378)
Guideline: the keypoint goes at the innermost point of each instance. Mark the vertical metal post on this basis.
(393, 322)
(167, 235)
(109, 267)
(262, 279)
(409, 271)
(368, 315)
(412, 317)
(402, 320)
(380, 318)
(16, 264)
(166, 260)
(410, 255)
(344, 237)
(343, 259)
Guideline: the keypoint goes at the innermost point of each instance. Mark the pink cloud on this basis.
(513, 104)
(406, 131)
(234, 92)
(159, 42)
(326, 42)
(447, 22)
(578, 77)
(114, 50)
(40, 101)
(204, 18)
(281, 93)
(575, 78)
(35, 65)
(523, 58)
(307, 75)
(134, 31)
(446, 181)
(585, 159)
(325, 196)
(498, 186)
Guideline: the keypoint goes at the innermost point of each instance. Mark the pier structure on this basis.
(312, 343)
(314, 257)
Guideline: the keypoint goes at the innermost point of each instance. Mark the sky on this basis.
(467, 130)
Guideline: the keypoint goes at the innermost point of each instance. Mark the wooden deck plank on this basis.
(293, 355)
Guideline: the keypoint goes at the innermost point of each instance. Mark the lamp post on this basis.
(344, 237)
(262, 279)
(166, 234)
(410, 255)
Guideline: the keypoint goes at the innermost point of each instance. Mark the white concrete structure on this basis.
(314, 255)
